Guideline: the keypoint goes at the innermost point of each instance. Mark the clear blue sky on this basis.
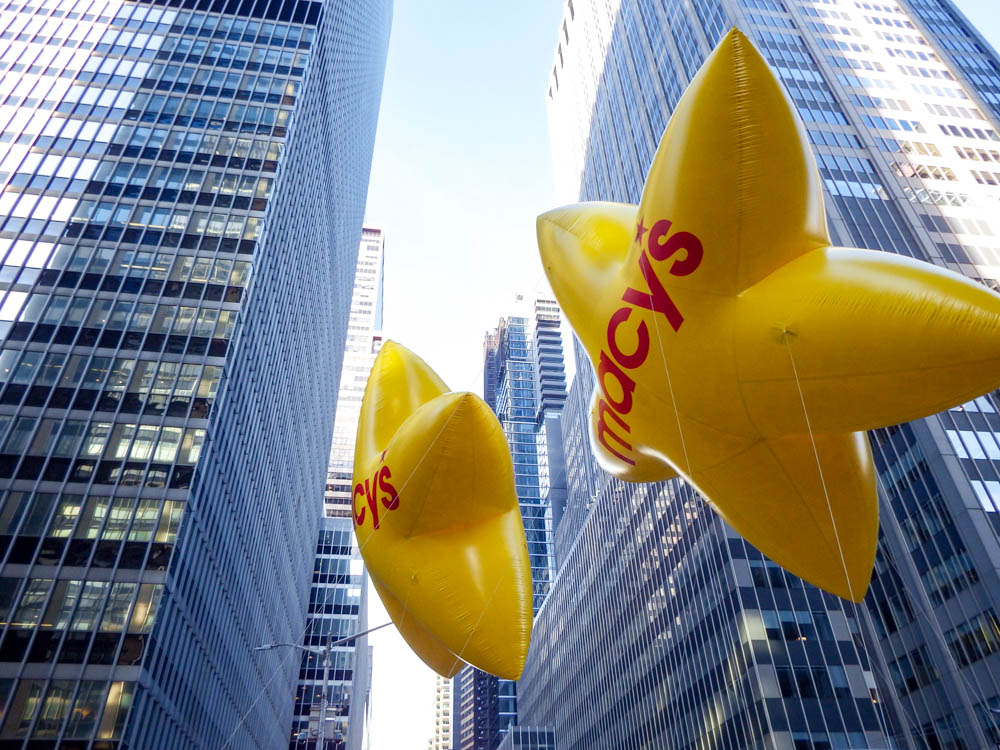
(461, 169)
(985, 14)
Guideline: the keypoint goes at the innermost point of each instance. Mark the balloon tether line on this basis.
(786, 335)
(687, 461)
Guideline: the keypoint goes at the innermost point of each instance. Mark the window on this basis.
(975, 639)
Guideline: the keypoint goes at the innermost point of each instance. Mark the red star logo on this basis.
(639, 231)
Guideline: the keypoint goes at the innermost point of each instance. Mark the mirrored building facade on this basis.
(183, 186)
(524, 381)
(338, 608)
(687, 637)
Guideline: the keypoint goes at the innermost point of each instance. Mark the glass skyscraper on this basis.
(183, 186)
(338, 608)
(364, 340)
(524, 382)
(662, 627)
(338, 599)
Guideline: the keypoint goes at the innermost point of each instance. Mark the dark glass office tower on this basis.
(687, 637)
(183, 190)
(524, 380)
(338, 608)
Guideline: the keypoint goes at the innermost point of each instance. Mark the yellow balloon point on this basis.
(736, 348)
(437, 519)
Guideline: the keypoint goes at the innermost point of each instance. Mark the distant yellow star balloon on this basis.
(437, 519)
(736, 348)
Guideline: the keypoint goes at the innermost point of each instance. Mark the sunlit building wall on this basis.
(183, 187)
(364, 339)
(442, 735)
(699, 640)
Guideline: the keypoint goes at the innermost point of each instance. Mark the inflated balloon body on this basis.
(437, 519)
(735, 347)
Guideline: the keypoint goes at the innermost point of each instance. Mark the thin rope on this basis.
(687, 462)
(819, 467)
(829, 505)
(260, 694)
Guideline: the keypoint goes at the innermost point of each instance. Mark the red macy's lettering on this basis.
(379, 482)
(660, 245)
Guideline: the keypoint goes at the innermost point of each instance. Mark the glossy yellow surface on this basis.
(719, 319)
(437, 520)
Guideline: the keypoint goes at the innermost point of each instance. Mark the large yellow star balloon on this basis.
(437, 519)
(736, 348)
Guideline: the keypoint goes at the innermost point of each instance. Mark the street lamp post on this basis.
(325, 651)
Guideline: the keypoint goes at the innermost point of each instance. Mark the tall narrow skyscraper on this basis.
(700, 640)
(441, 738)
(338, 601)
(364, 339)
(524, 380)
(183, 186)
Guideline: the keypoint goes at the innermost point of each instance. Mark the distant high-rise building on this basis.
(364, 339)
(338, 608)
(442, 737)
(338, 600)
(687, 637)
(183, 187)
(525, 383)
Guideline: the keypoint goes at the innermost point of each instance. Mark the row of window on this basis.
(890, 22)
(814, 681)
(950, 576)
(964, 132)
(219, 54)
(133, 384)
(975, 444)
(975, 639)
(41, 212)
(950, 111)
(63, 133)
(924, 172)
(205, 113)
(876, 102)
(47, 514)
(123, 315)
(199, 269)
(48, 710)
(202, 24)
(213, 82)
(110, 214)
(947, 198)
(890, 123)
(942, 91)
(103, 606)
(112, 441)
